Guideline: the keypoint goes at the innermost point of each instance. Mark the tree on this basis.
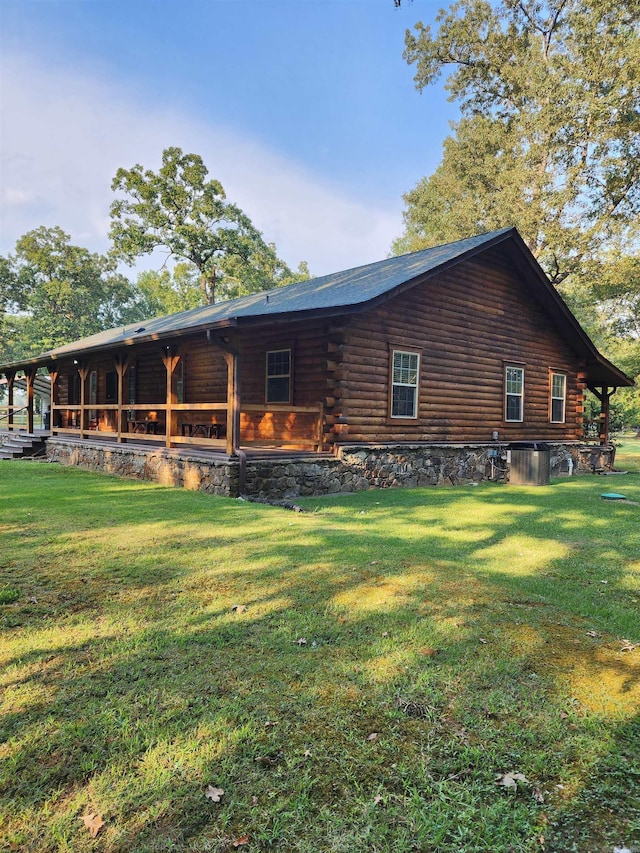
(549, 138)
(179, 210)
(52, 292)
(162, 292)
(263, 272)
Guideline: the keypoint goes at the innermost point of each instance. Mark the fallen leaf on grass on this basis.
(430, 653)
(214, 794)
(510, 780)
(244, 839)
(307, 753)
(593, 634)
(538, 796)
(93, 822)
(301, 641)
(377, 799)
(483, 641)
(254, 801)
(373, 736)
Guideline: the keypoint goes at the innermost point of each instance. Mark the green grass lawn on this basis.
(355, 677)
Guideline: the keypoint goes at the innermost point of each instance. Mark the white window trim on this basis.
(268, 376)
(415, 386)
(507, 394)
(553, 397)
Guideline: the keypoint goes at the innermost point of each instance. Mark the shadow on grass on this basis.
(427, 619)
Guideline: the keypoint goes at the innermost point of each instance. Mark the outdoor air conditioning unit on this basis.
(530, 463)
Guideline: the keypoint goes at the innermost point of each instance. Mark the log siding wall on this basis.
(467, 324)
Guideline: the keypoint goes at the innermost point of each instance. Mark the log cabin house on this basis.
(466, 343)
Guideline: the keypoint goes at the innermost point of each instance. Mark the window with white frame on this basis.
(513, 393)
(405, 369)
(558, 397)
(278, 379)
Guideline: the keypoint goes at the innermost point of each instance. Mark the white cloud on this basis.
(64, 133)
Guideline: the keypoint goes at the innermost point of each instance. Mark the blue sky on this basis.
(304, 109)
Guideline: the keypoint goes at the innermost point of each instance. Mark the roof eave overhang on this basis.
(600, 371)
(50, 358)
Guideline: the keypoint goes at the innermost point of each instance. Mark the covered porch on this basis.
(182, 395)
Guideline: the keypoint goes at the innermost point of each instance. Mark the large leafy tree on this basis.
(161, 292)
(178, 209)
(52, 292)
(549, 137)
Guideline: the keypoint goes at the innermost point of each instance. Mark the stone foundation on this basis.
(356, 467)
(203, 471)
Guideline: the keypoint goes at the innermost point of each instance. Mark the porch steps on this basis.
(21, 444)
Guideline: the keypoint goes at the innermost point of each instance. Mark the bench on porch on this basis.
(206, 430)
(147, 427)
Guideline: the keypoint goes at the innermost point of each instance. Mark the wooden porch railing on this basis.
(16, 418)
(187, 423)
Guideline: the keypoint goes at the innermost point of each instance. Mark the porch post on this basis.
(605, 414)
(30, 376)
(84, 372)
(10, 398)
(170, 360)
(122, 365)
(233, 401)
(604, 395)
(53, 377)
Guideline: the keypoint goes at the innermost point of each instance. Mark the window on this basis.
(278, 385)
(111, 386)
(514, 393)
(93, 393)
(180, 382)
(131, 385)
(404, 384)
(558, 397)
(74, 389)
(131, 391)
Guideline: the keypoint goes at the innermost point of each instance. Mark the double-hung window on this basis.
(278, 379)
(558, 397)
(513, 393)
(405, 370)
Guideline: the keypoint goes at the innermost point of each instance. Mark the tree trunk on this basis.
(208, 285)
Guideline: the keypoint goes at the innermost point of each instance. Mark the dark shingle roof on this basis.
(338, 290)
(347, 291)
